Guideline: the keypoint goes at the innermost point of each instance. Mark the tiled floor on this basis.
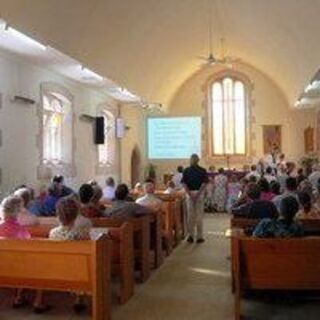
(193, 284)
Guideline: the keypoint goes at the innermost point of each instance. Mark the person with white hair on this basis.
(10, 227)
(109, 189)
(150, 200)
(25, 217)
(314, 177)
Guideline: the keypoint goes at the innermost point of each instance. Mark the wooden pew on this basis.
(243, 223)
(277, 264)
(122, 251)
(141, 239)
(173, 218)
(310, 226)
(50, 265)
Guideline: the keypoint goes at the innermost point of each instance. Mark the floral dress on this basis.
(234, 189)
(220, 192)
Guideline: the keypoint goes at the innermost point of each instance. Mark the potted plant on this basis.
(150, 171)
(308, 162)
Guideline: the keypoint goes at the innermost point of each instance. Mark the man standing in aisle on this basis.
(194, 181)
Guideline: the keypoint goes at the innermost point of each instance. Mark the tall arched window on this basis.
(57, 127)
(106, 151)
(56, 132)
(228, 113)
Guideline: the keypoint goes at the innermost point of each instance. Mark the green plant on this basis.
(309, 161)
(150, 171)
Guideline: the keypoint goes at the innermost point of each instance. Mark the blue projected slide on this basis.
(174, 138)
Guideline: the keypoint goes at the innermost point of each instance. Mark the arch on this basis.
(66, 165)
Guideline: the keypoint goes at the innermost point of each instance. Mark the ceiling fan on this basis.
(224, 59)
(210, 60)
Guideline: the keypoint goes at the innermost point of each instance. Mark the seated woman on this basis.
(67, 211)
(307, 211)
(266, 193)
(11, 207)
(283, 227)
(10, 227)
(25, 217)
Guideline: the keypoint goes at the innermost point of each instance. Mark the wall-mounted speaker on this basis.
(99, 130)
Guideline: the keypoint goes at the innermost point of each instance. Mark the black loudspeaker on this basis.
(99, 130)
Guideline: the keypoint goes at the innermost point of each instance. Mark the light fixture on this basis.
(89, 74)
(21, 36)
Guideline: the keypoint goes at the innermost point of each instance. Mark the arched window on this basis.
(228, 113)
(106, 151)
(56, 132)
(57, 127)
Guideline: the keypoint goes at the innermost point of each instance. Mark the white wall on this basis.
(19, 124)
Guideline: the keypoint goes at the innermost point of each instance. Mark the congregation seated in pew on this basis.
(283, 226)
(255, 208)
(123, 208)
(11, 229)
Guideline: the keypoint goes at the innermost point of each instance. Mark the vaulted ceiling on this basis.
(149, 46)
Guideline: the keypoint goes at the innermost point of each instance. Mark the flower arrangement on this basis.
(309, 161)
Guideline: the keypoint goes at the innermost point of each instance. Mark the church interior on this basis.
(176, 143)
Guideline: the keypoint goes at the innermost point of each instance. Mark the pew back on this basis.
(278, 264)
(310, 226)
(49, 265)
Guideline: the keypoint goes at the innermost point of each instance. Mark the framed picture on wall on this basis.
(271, 138)
(318, 132)
(309, 140)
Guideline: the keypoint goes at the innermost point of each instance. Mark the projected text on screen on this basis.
(174, 138)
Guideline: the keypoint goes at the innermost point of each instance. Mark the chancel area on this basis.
(159, 160)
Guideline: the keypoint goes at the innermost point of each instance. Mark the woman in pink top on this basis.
(10, 227)
(266, 193)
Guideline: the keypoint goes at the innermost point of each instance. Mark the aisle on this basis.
(193, 283)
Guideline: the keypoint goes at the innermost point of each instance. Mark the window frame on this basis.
(220, 77)
(46, 169)
(110, 116)
(112, 108)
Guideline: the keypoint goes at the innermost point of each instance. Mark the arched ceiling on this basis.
(149, 46)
